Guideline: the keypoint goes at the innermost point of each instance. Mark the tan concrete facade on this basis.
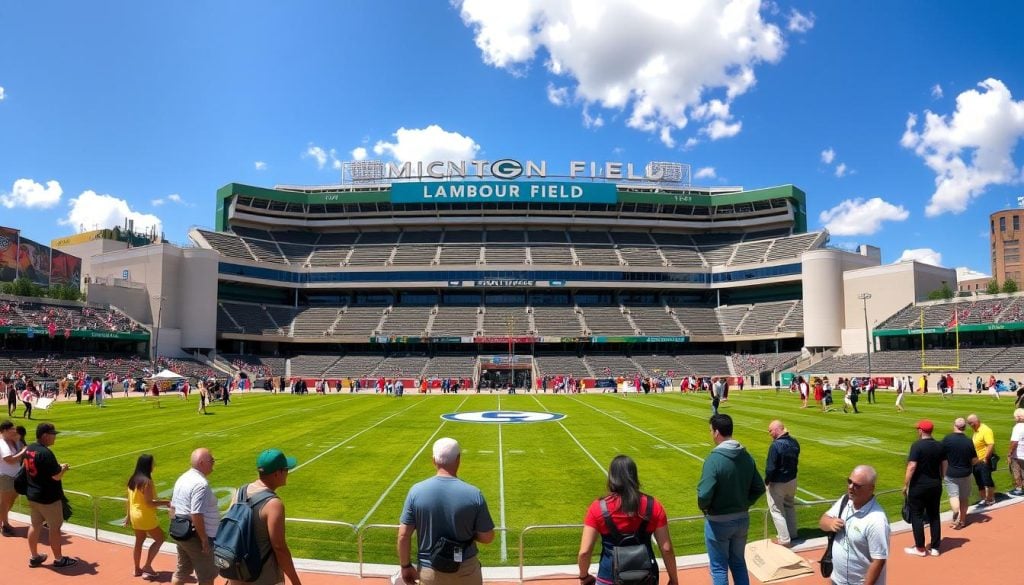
(824, 291)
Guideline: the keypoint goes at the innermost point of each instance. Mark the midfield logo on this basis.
(503, 416)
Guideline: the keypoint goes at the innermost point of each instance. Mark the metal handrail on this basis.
(522, 537)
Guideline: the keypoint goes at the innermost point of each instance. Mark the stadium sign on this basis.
(639, 339)
(504, 283)
(503, 416)
(503, 192)
(510, 169)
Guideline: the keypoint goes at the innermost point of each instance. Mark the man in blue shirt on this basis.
(444, 506)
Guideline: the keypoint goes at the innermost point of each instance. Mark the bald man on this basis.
(194, 499)
(984, 446)
(780, 479)
(861, 546)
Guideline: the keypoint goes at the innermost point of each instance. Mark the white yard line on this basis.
(381, 421)
(810, 493)
(501, 492)
(575, 440)
(636, 428)
(404, 469)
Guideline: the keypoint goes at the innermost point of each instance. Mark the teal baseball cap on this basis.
(273, 460)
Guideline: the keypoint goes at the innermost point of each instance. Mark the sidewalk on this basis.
(991, 531)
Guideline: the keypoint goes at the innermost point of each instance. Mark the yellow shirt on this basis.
(982, 438)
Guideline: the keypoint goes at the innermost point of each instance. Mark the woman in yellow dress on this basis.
(142, 505)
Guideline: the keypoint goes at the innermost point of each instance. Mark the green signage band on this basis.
(503, 192)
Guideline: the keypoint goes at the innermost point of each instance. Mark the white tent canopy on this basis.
(167, 375)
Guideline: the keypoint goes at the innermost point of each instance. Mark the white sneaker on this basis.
(914, 551)
(933, 552)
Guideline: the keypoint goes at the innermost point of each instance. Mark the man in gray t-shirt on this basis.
(444, 505)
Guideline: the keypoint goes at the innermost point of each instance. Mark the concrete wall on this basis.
(824, 291)
(87, 250)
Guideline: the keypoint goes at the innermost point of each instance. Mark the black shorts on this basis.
(983, 475)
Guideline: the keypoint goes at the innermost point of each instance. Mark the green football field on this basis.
(359, 454)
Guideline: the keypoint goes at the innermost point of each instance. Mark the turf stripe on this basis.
(634, 427)
(575, 440)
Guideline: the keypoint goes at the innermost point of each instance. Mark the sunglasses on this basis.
(853, 484)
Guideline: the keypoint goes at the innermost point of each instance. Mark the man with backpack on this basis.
(194, 510)
(257, 513)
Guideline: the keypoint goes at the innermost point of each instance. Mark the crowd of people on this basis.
(59, 319)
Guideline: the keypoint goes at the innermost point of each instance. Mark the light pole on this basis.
(867, 332)
(511, 322)
(156, 334)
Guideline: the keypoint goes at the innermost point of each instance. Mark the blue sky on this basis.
(901, 120)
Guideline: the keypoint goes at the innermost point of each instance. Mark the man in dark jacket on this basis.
(729, 485)
(780, 479)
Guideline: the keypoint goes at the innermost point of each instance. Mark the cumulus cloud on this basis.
(592, 121)
(800, 23)
(971, 149)
(3, 95)
(424, 144)
(359, 153)
(937, 91)
(316, 153)
(705, 173)
(966, 273)
(29, 194)
(657, 62)
(841, 170)
(260, 165)
(91, 210)
(173, 198)
(860, 217)
(828, 155)
(925, 255)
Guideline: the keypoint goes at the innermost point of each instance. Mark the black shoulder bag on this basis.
(826, 559)
(633, 560)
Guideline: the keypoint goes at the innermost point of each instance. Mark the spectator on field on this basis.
(141, 516)
(1016, 452)
(780, 473)
(717, 394)
(861, 546)
(984, 446)
(46, 497)
(922, 487)
(960, 460)
(801, 386)
(729, 484)
(194, 498)
(444, 506)
(273, 467)
(628, 509)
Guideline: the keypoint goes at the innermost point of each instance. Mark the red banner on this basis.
(65, 269)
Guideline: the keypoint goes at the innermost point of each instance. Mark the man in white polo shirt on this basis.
(861, 545)
(193, 497)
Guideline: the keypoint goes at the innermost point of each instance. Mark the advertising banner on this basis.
(8, 254)
(34, 261)
(503, 192)
(65, 269)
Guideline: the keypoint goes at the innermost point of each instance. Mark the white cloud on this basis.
(828, 155)
(690, 143)
(860, 217)
(592, 121)
(3, 95)
(666, 138)
(841, 170)
(316, 153)
(800, 23)
(965, 273)
(658, 62)
(937, 91)
(29, 194)
(260, 165)
(970, 150)
(430, 143)
(156, 202)
(175, 198)
(705, 173)
(925, 255)
(91, 210)
(558, 96)
(359, 153)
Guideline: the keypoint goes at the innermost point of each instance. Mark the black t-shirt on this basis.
(929, 454)
(41, 465)
(959, 454)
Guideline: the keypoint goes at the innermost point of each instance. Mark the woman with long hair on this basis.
(629, 510)
(142, 505)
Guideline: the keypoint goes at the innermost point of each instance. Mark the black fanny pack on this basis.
(446, 555)
(181, 528)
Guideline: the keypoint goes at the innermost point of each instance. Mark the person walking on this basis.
(922, 487)
(193, 499)
(900, 394)
(444, 507)
(960, 460)
(272, 466)
(717, 394)
(628, 510)
(12, 450)
(1016, 452)
(141, 516)
(729, 484)
(780, 473)
(861, 546)
(46, 497)
(984, 447)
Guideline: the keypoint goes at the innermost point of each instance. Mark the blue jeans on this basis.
(725, 542)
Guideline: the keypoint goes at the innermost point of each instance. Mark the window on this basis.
(1016, 222)
(1002, 224)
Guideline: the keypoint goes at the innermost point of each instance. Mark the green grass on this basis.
(359, 454)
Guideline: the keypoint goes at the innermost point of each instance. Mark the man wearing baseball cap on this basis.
(273, 467)
(45, 496)
(922, 486)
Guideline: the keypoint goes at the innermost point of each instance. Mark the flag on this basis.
(955, 323)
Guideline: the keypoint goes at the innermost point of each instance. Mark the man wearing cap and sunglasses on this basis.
(861, 545)
(45, 496)
(273, 467)
(922, 486)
